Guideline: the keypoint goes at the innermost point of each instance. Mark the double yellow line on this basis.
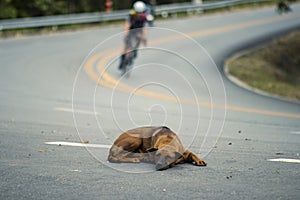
(96, 70)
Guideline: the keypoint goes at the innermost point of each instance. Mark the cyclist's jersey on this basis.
(136, 22)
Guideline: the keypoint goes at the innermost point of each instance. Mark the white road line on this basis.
(295, 132)
(288, 160)
(79, 111)
(73, 144)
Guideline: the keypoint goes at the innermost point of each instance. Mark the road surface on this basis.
(60, 90)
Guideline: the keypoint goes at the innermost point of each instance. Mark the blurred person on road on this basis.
(135, 28)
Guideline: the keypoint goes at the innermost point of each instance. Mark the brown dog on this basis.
(157, 145)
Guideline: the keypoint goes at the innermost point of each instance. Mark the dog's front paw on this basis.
(200, 163)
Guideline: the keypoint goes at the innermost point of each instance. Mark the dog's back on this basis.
(146, 132)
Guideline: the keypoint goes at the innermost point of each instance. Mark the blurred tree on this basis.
(121, 4)
(33, 8)
(48, 7)
(7, 10)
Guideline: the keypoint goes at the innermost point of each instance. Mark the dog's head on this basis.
(166, 157)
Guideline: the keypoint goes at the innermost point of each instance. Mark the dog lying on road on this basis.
(157, 145)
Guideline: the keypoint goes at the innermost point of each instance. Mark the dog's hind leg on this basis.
(126, 150)
(124, 158)
(118, 155)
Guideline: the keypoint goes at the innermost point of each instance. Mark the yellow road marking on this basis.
(105, 79)
(262, 112)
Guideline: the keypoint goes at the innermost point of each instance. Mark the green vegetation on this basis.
(22, 8)
(10, 9)
(274, 68)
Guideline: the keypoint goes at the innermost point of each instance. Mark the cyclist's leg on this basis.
(125, 51)
(137, 44)
(131, 45)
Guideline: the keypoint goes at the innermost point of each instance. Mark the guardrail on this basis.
(163, 10)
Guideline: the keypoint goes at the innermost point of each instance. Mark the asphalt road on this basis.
(61, 89)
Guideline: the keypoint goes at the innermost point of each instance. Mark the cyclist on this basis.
(134, 30)
(283, 7)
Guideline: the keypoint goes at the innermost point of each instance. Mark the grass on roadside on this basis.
(274, 68)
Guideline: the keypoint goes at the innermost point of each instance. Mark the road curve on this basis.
(58, 90)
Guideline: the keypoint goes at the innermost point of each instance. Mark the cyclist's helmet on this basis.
(139, 6)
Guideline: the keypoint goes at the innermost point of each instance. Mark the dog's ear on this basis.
(152, 149)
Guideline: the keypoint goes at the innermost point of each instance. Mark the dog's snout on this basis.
(161, 164)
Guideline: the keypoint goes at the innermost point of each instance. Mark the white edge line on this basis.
(73, 144)
(288, 160)
(295, 132)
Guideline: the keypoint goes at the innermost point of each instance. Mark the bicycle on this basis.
(134, 39)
